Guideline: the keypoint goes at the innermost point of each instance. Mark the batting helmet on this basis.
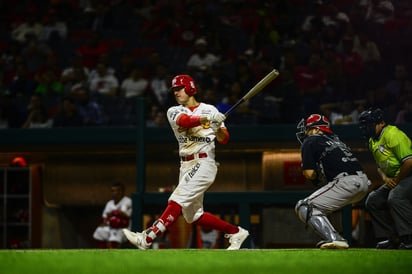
(368, 119)
(185, 81)
(318, 121)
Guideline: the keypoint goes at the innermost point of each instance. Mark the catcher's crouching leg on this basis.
(318, 221)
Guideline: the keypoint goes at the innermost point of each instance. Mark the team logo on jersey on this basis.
(192, 172)
(206, 125)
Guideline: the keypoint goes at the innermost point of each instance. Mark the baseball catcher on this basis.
(328, 163)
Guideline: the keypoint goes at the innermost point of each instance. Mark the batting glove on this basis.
(216, 117)
(215, 126)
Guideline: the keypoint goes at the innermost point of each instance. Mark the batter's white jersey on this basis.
(197, 174)
(200, 139)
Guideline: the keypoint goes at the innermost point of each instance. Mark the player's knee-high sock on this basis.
(210, 221)
(169, 216)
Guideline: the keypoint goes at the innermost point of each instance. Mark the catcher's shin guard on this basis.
(314, 218)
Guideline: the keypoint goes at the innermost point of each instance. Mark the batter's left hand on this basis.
(216, 117)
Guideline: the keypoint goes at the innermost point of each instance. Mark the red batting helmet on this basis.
(185, 81)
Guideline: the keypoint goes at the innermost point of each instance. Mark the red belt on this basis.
(193, 156)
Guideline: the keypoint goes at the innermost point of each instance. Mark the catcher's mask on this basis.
(185, 81)
(318, 121)
(368, 120)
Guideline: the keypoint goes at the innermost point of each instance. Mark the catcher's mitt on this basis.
(320, 176)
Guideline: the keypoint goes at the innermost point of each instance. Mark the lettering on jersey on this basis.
(181, 139)
(192, 172)
(199, 139)
(206, 111)
(334, 143)
(173, 114)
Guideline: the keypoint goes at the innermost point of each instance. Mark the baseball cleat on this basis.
(333, 245)
(137, 239)
(387, 244)
(237, 239)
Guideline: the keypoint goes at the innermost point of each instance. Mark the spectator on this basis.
(244, 113)
(404, 115)
(37, 116)
(105, 60)
(135, 85)
(184, 32)
(398, 82)
(76, 79)
(75, 75)
(115, 216)
(379, 11)
(35, 54)
(22, 82)
(104, 83)
(344, 112)
(68, 115)
(352, 68)
(91, 50)
(311, 81)
(31, 26)
(54, 30)
(366, 48)
(75, 64)
(89, 109)
(159, 90)
(201, 60)
(156, 117)
(49, 84)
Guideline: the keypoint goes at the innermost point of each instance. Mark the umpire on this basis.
(328, 163)
(390, 205)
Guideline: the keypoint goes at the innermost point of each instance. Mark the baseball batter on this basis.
(115, 216)
(196, 127)
(328, 162)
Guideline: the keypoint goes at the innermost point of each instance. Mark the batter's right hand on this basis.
(216, 117)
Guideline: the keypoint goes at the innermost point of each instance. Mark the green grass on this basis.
(199, 261)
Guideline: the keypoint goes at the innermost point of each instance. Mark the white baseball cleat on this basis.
(334, 245)
(237, 239)
(137, 239)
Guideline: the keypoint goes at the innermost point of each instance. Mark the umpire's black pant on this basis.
(391, 209)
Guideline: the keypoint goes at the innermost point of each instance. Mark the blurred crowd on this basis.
(78, 63)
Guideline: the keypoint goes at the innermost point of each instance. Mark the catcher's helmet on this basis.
(185, 81)
(368, 119)
(318, 121)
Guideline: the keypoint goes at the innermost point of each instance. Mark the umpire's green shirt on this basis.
(391, 148)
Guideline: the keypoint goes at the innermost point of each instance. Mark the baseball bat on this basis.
(255, 89)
